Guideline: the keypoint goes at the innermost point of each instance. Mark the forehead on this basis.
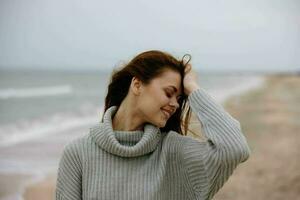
(169, 78)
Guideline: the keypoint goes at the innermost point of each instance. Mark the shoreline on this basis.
(221, 96)
(15, 185)
(18, 180)
(39, 188)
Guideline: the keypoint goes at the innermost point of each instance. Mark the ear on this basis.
(136, 85)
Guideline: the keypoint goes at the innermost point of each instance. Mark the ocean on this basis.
(40, 111)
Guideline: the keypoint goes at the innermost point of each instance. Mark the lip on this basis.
(167, 113)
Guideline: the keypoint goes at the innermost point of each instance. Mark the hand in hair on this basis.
(190, 80)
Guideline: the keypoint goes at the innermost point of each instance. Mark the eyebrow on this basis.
(174, 88)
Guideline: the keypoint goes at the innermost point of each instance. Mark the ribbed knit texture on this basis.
(150, 165)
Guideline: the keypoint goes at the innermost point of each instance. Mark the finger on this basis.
(187, 68)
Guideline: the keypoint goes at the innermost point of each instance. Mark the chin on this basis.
(160, 124)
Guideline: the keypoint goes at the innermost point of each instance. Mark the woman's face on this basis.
(158, 100)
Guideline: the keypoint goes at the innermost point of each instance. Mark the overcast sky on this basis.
(98, 34)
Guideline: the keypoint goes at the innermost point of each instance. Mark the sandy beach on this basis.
(42, 190)
(270, 120)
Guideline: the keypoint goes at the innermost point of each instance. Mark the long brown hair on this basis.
(145, 67)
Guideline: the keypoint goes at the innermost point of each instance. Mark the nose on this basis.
(174, 103)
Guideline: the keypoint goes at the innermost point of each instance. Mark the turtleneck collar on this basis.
(109, 140)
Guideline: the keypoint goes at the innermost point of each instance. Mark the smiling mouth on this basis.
(166, 113)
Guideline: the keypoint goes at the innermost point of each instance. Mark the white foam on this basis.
(28, 130)
(35, 92)
(250, 83)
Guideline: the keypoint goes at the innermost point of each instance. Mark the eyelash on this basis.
(170, 95)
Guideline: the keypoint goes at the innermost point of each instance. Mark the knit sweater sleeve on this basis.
(209, 164)
(69, 176)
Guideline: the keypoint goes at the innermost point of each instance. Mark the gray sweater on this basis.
(153, 165)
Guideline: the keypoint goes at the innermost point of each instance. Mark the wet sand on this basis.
(27, 164)
(270, 121)
(42, 190)
(11, 185)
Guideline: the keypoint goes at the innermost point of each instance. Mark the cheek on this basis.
(161, 99)
(151, 109)
(157, 99)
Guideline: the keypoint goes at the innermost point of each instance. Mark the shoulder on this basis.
(77, 146)
(180, 143)
(174, 137)
(86, 139)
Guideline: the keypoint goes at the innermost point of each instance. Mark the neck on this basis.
(127, 118)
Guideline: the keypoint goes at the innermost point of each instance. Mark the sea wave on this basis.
(249, 83)
(35, 91)
(32, 129)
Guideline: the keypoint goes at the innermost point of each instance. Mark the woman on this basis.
(140, 149)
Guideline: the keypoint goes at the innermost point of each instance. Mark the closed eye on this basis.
(169, 95)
